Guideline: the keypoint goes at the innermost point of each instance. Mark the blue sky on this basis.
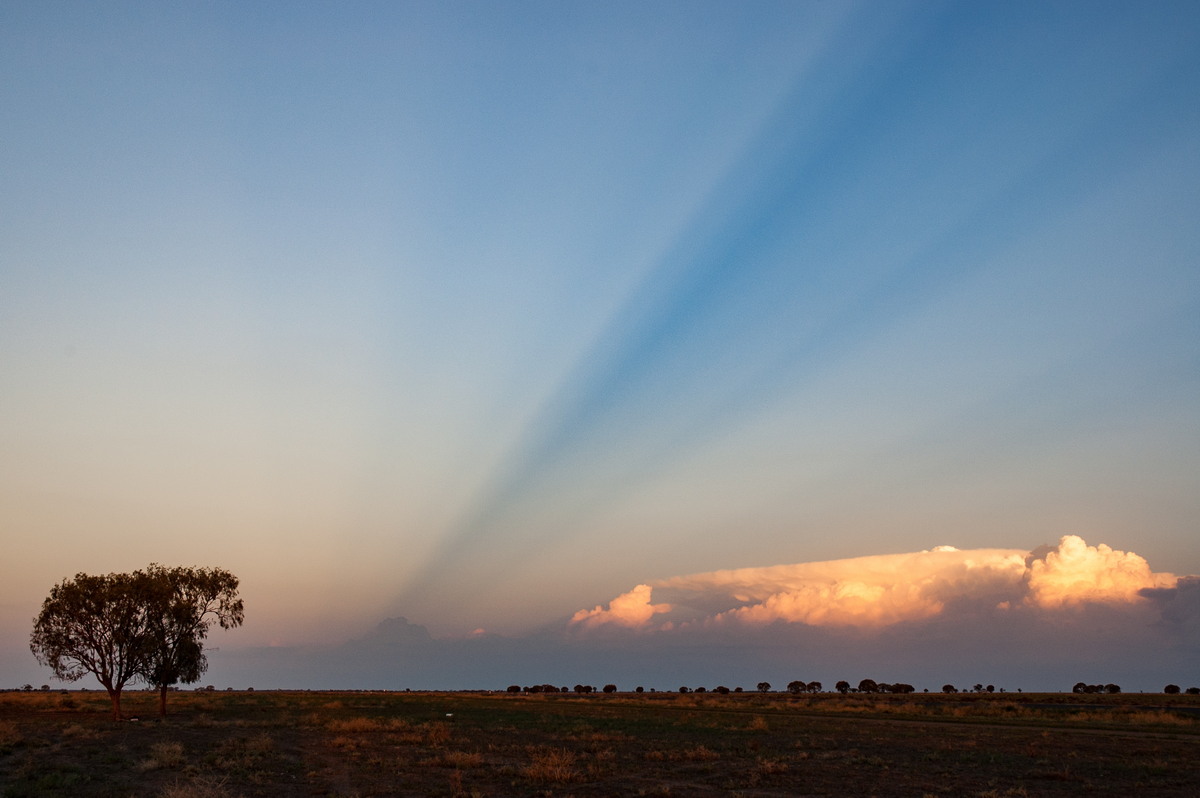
(481, 313)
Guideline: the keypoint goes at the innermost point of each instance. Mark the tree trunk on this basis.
(115, 696)
(162, 700)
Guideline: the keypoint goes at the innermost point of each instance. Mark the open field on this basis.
(219, 744)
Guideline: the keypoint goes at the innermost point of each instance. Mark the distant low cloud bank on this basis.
(1042, 619)
(878, 591)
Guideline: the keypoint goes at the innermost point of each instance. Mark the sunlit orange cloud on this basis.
(1075, 573)
(886, 589)
(632, 609)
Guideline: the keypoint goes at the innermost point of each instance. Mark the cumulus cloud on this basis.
(632, 610)
(1042, 620)
(878, 591)
(1076, 573)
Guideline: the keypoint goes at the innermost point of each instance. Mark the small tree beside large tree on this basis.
(148, 625)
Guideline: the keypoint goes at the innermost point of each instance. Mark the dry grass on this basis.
(242, 753)
(551, 766)
(204, 787)
(163, 756)
(9, 734)
(456, 759)
(1158, 717)
(74, 731)
(355, 725)
(260, 744)
(588, 735)
(434, 735)
(288, 744)
(344, 743)
(699, 753)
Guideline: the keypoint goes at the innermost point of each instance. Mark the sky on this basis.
(508, 332)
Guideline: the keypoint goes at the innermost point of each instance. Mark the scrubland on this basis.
(283, 743)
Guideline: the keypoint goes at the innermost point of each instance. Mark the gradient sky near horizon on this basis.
(483, 313)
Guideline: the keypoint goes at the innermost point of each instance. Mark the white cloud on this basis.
(632, 609)
(871, 592)
(1075, 573)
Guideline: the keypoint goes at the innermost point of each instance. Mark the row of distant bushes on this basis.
(865, 686)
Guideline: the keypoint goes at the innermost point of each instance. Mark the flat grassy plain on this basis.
(296, 743)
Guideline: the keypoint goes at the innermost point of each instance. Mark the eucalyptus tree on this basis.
(96, 625)
(182, 604)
